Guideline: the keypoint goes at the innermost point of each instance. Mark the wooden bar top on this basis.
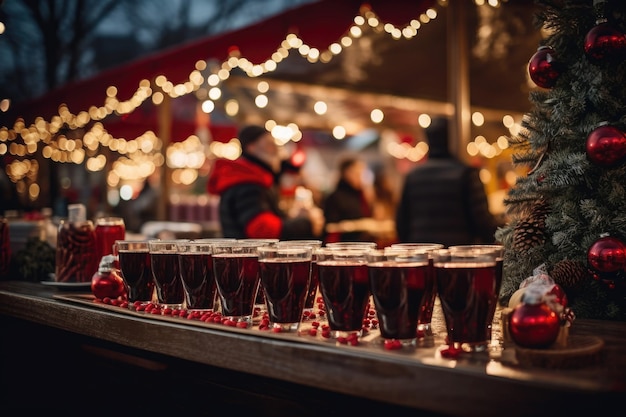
(420, 379)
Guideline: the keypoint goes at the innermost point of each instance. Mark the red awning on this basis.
(319, 24)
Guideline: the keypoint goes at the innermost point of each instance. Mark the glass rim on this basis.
(285, 249)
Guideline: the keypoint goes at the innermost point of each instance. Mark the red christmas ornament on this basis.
(604, 41)
(606, 146)
(543, 67)
(607, 254)
(558, 294)
(532, 323)
(107, 282)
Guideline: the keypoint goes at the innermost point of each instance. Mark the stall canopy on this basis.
(403, 76)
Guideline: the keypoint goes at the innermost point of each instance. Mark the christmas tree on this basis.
(567, 215)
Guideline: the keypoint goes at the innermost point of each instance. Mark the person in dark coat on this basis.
(348, 203)
(443, 200)
(248, 188)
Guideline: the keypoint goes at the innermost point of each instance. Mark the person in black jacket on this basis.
(348, 207)
(443, 200)
(249, 194)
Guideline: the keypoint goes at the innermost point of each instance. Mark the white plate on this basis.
(68, 285)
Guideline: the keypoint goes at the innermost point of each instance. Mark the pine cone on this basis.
(529, 233)
(569, 274)
(538, 213)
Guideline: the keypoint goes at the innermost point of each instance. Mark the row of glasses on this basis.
(402, 281)
(170, 272)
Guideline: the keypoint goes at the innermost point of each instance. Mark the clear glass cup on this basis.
(399, 282)
(467, 286)
(136, 270)
(344, 285)
(166, 273)
(285, 273)
(108, 230)
(424, 320)
(195, 263)
(236, 269)
(311, 295)
(259, 301)
(498, 252)
(347, 245)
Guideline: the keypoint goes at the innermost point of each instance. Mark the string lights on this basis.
(81, 138)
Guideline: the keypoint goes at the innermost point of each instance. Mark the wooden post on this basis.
(164, 111)
(458, 76)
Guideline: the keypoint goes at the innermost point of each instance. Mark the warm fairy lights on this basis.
(82, 139)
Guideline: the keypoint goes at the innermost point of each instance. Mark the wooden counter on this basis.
(64, 356)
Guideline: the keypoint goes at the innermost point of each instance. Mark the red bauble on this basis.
(559, 295)
(606, 146)
(607, 254)
(604, 41)
(534, 325)
(107, 281)
(107, 284)
(543, 67)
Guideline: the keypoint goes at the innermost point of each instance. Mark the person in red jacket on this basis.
(249, 193)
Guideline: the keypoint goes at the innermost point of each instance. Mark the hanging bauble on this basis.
(606, 145)
(607, 254)
(604, 41)
(543, 67)
(533, 324)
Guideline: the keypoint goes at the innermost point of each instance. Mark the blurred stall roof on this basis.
(402, 77)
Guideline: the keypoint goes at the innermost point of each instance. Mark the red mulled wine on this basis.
(196, 272)
(467, 292)
(309, 302)
(136, 272)
(425, 315)
(345, 289)
(399, 293)
(237, 279)
(169, 286)
(285, 282)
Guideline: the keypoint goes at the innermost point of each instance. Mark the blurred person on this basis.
(248, 188)
(348, 208)
(142, 207)
(384, 207)
(443, 199)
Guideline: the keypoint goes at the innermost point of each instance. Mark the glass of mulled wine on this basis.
(259, 301)
(344, 285)
(399, 282)
(195, 263)
(108, 230)
(136, 270)
(424, 319)
(498, 252)
(166, 273)
(311, 293)
(236, 269)
(285, 273)
(467, 284)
